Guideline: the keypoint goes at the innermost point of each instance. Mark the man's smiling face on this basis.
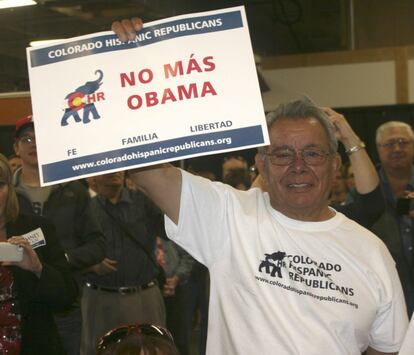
(299, 190)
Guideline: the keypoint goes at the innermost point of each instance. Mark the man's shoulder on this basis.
(75, 185)
(139, 200)
(72, 189)
(361, 237)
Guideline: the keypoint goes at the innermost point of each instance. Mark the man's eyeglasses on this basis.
(401, 142)
(287, 156)
(116, 335)
(27, 140)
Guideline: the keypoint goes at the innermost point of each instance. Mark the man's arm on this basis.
(162, 184)
(365, 174)
(371, 351)
(88, 246)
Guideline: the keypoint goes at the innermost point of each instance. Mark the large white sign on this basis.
(186, 86)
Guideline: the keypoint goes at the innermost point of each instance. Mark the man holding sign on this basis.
(288, 274)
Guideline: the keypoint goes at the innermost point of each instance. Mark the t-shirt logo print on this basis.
(273, 263)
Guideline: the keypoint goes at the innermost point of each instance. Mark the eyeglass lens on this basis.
(401, 142)
(288, 156)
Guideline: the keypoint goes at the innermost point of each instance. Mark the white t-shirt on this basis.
(282, 286)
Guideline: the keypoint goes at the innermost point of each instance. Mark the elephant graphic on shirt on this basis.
(273, 263)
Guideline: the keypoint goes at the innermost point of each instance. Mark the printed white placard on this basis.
(186, 86)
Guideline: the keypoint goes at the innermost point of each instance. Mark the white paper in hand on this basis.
(36, 238)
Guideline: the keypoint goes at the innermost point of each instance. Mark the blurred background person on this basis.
(90, 181)
(238, 178)
(339, 190)
(395, 146)
(348, 173)
(36, 286)
(233, 162)
(177, 264)
(67, 206)
(123, 287)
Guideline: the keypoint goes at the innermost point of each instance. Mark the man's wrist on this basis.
(355, 148)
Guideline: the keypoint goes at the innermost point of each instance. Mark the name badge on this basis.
(36, 238)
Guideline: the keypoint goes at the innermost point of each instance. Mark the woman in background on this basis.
(32, 288)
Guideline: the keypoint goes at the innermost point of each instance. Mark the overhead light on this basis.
(4, 4)
(43, 42)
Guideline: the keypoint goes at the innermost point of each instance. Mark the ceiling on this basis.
(277, 26)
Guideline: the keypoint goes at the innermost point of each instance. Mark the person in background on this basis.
(410, 195)
(177, 264)
(123, 287)
(90, 181)
(238, 178)
(349, 176)
(395, 145)
(67, 205)
(36, 286)
(233, 162)
(339, 191)
(129, 183)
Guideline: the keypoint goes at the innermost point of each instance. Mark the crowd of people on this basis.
(295, 253)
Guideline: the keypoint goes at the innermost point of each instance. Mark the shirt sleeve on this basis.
(202, 228)
(391, 322)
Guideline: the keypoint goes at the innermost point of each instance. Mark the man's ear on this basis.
(338, 162)
(259, 162)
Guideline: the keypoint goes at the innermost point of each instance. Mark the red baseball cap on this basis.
(23, 123)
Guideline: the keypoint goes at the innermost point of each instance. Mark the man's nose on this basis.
(397, 147)
(299, 163)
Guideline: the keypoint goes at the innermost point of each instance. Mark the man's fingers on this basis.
(409, 194)
(137, 23)
(119, 31)
(129, 29)
(109, 266)
(125, 29)
(110, 261)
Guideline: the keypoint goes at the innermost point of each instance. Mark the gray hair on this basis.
(392, 124)
(299, 109)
